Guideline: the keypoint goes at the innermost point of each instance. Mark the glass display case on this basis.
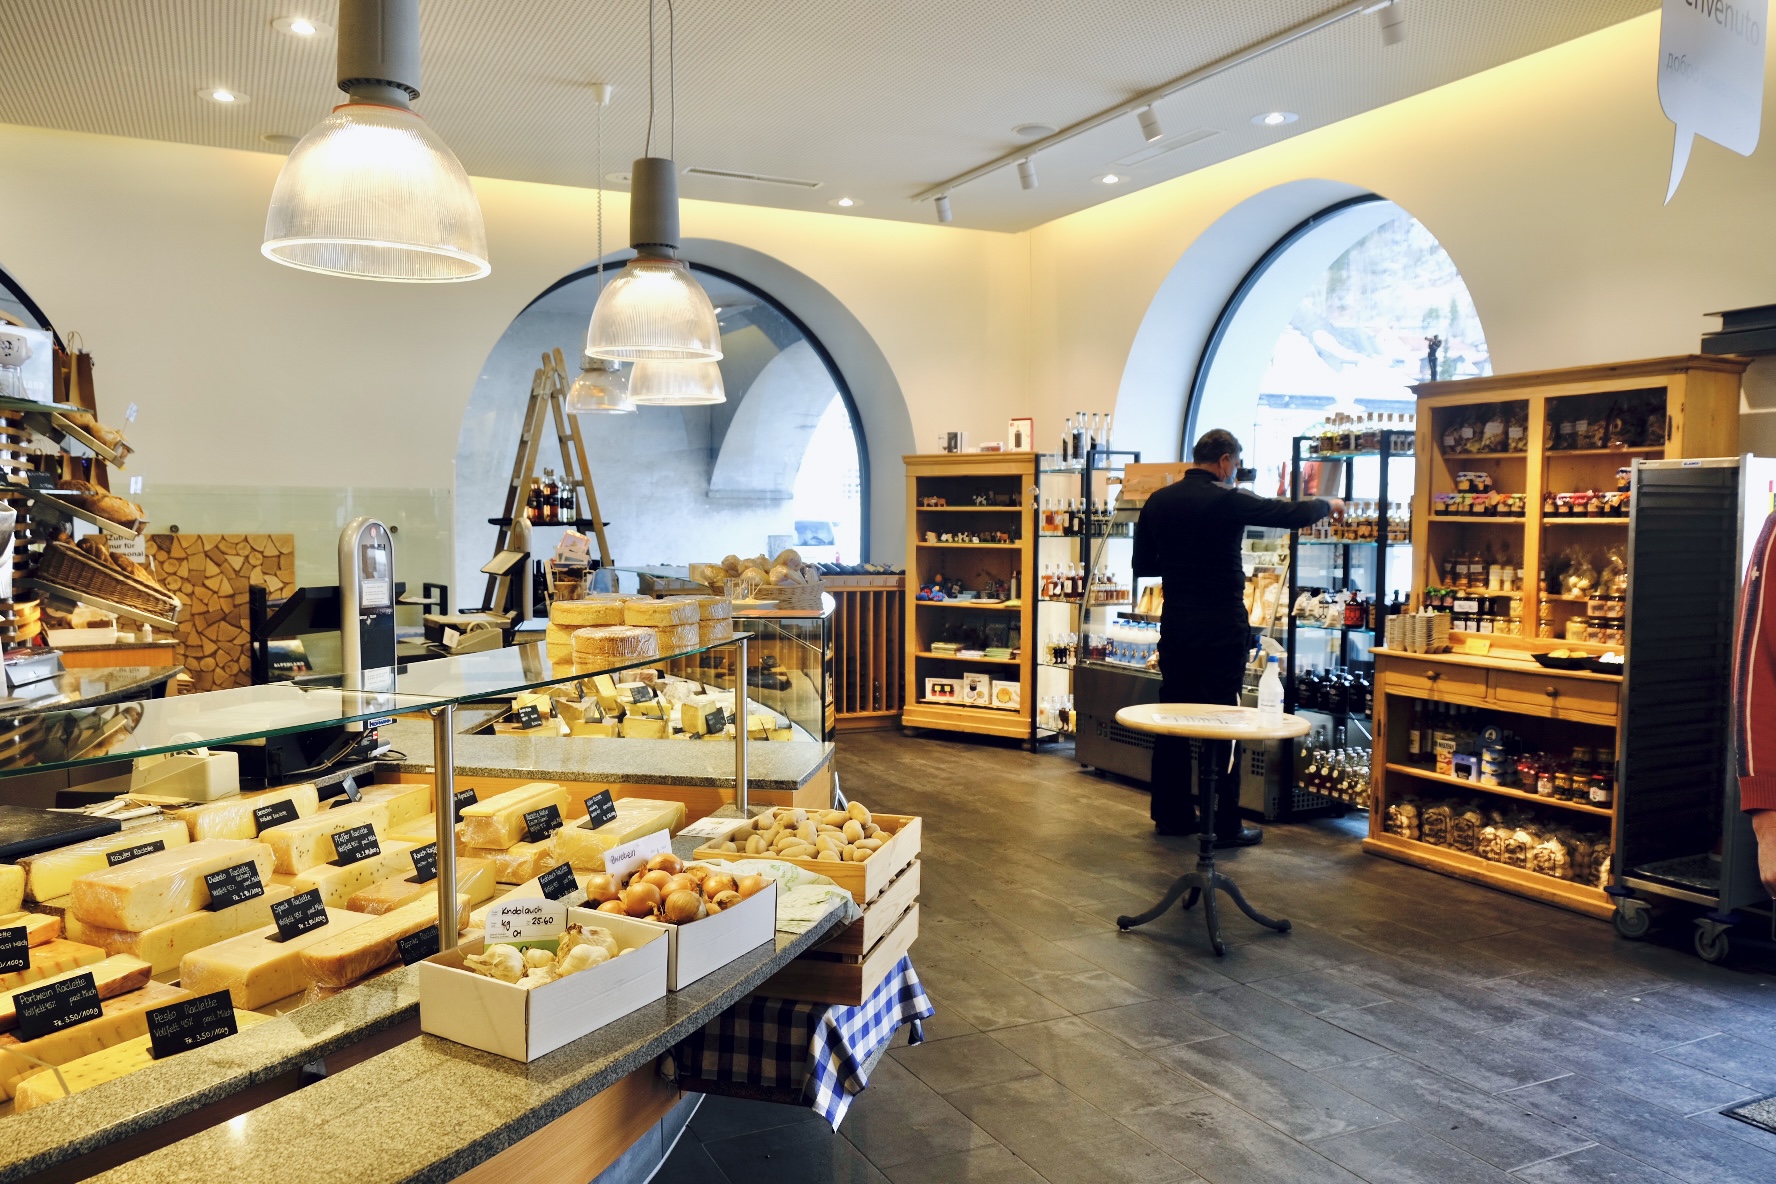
(791, 664)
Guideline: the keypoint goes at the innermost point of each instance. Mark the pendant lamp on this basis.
(372, 192)
(654, 311)
(601, 388)
(676, 384)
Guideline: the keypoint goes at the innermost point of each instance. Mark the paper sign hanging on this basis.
(1711, 75)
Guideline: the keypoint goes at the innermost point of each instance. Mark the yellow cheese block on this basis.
(594, 610)
(51, 874)
(40, 928)
(164, 887)
(124, 1018)
(637, 727)
(111, 976)
(12, 887)
(714, 632)
(635, 817)
(517, 863)
(347, 955)
(82, 1073)
(50, 959)
(338, 884)
(164, 945)
(308, 842)
(423, 829)
(499, 821)
(714, 608)
(406, 800)
(676, 639)
(669, 610)
(233, 818)
(474, 879)
(610, 728)
(253, 969)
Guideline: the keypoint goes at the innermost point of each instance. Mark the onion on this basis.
(613, 906)
(659, 878)
(717, 884)
(697, 872)
(640, 899)
(666, 862)
(682, 907)
(601, 887)
(725, 900)
(678, 883)
(750, 884)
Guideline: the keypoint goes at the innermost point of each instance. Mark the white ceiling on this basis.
(875, 100)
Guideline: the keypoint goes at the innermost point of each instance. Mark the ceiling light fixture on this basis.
(372, 192)
(1149, 121)
(1027, 173)
(301, 27)
(603, 386)
(676, 384)
(1110, 179)
(280, 140)
(1275, 118)
(1031, 131)
(1392, 21)
(944, 213)
(654, 310)
(844, 203)
(222, 95)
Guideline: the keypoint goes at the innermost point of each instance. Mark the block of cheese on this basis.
(474, 879)
(711, 632)
(782, 734)
(40, 928)
(635, 817)
(406, 800)
(232, 818)
(347, 955)
(255, 970)
(308, 842)
(668, 610)
(637, 727)
(51, 873)
(52, 958)
(616, 645)
(499, 820)
(162, 946)
(12, 887)
(57, 908)
(714, 608)
(111, 976)
(338, 884)
(517, 863)
(423, 829)
(594, 610)
(676, 639)
(124, 1018)
(163, 887)
(82, 1073)
(605, 727)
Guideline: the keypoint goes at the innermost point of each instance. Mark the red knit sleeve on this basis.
(1755, 678)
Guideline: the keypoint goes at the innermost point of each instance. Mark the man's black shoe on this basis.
(1249, 836)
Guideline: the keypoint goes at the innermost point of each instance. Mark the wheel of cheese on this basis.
(711, 632)
(669, 610)
(612, 646)
(714, 608)
(594, 610)
(561, 653)
(677, 639)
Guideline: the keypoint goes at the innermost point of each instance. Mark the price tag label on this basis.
(352, 792)
(135, 547)
(1476, 645)
(557, 882)
(298, 915)
(600, 810)
(620, 862)
(463, 799)
(193, 1023)
(528, 716)
(125, 854)
(425, 863)
(530, 919)
(540, 824)
(275, 814)
(57, 1005)
(1467, 606)
(715, 721)
(354, 845)
(233, 885)
(640, 692)
(417, 947)
(709, 828)
(15, 949)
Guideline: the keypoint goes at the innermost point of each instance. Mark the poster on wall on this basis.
(1711, 75)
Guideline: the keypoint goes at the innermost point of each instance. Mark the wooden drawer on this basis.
(1554, 696)
(1433, 680)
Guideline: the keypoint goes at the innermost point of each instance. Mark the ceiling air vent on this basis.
(1169, 144)
(758, 178)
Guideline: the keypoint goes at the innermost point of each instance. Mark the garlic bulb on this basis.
(536, 956)
(580, 958)
(536, 978)
(500, 962)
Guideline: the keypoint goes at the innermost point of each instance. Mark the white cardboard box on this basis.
(703, 946)
(523, 1025)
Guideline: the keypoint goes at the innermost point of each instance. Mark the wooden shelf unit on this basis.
(1701, 398)
(958, 478)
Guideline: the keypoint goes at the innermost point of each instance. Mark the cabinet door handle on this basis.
(1433, 675)
(1553, 692)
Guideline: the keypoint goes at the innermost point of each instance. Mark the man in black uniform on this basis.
(1189, 535)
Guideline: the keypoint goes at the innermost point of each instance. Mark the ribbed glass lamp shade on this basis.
(676, 384)
(373, 193)
(601, 388)
(655, 312)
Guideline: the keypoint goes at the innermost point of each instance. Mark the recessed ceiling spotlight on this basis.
(301, 27)
(1032, 131)
(222, 95)
(1275, 118)
(1110, 179)
(280, 140)
(844, 203)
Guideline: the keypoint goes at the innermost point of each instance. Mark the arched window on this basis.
(780, 464)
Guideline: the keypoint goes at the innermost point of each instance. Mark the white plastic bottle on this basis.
(1270, 693)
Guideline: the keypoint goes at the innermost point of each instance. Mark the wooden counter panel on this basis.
(587, 1139)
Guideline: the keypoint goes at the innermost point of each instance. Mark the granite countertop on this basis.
(782, 765)
(428, 1110)
(49, 1135)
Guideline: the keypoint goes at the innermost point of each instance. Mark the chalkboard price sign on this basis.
(233, 885)
(557, 882)
(600, 809)
(57, 1005)
(275, 814)
(540, 824)
(355, 844)
(15, 949)
(299, 914)
(192, 1023)
(417, 947)
(425, 863)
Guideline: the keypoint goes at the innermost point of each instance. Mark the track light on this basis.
(944, 213)
(1393, 23)
(1027, 173)
(1150, 129)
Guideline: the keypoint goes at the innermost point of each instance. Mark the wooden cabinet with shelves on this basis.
(958, 506)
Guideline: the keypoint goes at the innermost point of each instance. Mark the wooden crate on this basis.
(865, 881)
(846, 980)
(879, 916)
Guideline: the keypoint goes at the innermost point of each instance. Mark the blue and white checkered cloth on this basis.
(789, 1043)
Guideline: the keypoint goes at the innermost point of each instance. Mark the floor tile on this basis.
(690, 1163)
(900, 1118)
(1064, 1137)
(1592, 1165)
(1293, 1100)
(723, 1118)
(1317, 992)
(984, 1165)
(1658, 1079)
(1301, 1039)
(983, 996)
(808, 1153)
(1750, 1065)
(1153, 1025)
(1225, 1145)
(1401, 1153)
(962, 1063)
(1076, 1054)
(1470, 1057)
(1469, 1005)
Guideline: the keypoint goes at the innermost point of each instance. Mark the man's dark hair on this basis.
(1214, 445)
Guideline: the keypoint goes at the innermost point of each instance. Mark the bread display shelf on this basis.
(864, 881)
(1505, 791)
(68, 595)
(58, 508)
(54, 424)
(1580, 898)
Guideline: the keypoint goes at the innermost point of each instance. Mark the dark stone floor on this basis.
(1411, 1028)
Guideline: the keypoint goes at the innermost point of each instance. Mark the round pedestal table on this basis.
(1200, 722)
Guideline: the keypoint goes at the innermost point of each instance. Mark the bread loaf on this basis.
(669, 610)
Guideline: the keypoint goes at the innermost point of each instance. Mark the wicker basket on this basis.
(71, 568)
(799, 597)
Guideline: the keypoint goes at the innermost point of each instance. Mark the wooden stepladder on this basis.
(548, 398)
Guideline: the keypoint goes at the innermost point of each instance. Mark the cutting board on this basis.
(26, 831)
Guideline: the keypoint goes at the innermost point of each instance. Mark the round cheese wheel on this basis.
(714, 608)
(669, 610)
(615, 641)
(676, 639)
(711, 632)
(595, 610)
